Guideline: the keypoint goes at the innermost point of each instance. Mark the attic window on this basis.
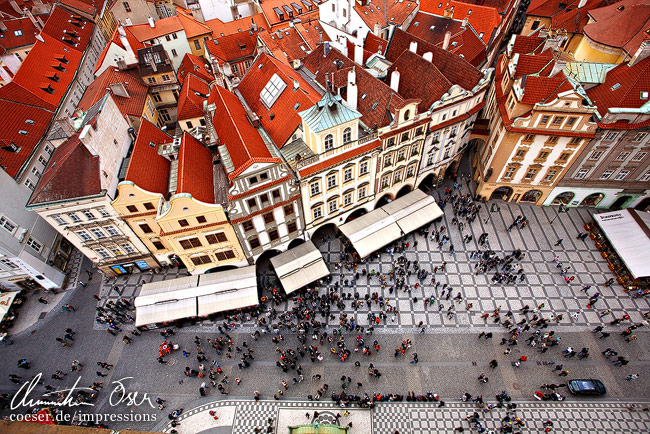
(23, 132)
(621, 8)
(439, 5)
(11, 147)
(364, 96)
(374, 105)
(31, 122)
(453, 44)
(152, 144)
(272, 90)
(55, 78)
(415, 24)
(297, 106)
(616, 86)
(59, 68)
(49, 89)
(469, 12)
(647, 32)
(18, 33)
(644, 94)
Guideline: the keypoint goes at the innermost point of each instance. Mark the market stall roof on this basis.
(299, 266)
(164, 286)
(6, 299)
(227, 290)
(165, 310)
(628, 231)
(384, 225)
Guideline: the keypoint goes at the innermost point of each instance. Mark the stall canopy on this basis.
(628, 231)
(192, 296)
(299, 266)
(384, 225)
(6, 299)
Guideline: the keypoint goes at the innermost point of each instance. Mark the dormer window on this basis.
(49, 89)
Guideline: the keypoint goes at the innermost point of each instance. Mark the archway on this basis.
(266, 277)
(383, 201)
(356, 214)
(502, 193)
(404, 191)
(428, 183)
(563, 198)
(644, 205)
(531, 196)
(451, 170)
(593, 199)
(221, 268)
(295, 243)
(618, 203)
(324, 234)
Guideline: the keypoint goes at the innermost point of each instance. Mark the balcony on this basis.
(325, 155)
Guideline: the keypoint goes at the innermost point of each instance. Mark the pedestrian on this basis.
(101, 374)
(632, 377)
(494, 363)
(559, 241)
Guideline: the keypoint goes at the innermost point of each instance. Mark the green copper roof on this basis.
(329, 112)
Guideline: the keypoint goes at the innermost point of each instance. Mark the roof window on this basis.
(29, 121)
(23, 132)
(18, 33)
(272, 90)
(644, 94)
(616, 86)
(374, 105)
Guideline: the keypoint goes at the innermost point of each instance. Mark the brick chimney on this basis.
(445, 43)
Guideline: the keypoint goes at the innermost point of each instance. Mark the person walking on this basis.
(559, 242)
(632, 377)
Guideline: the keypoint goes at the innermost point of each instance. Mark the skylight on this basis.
(616, 86)
(644, 94)
(272, 90)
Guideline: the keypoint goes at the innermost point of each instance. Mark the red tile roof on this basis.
(528, 44)
(9, 40)
(539, 89)
(464, 41)
(339, 158)
(190, 105)
(373, 12)
(164, 26)
(573, 19)
(269, 6)
(147, 169)
(65, 28)
(233, 47)
(192, 64)
(192, 27)
(546, 8)
(484, 19)
(374, 44)
(621, 25)
(14, 117)
(541, 64)
(72, 172)
(243, 142)
(312, 32)
(87, 7)
(622, 87)
(499, 5)
(219, 28)
(457, 70)
(286, 45)
(411, 86)
(115, 39)
(130, 79)
(285, 117)
(195, 170)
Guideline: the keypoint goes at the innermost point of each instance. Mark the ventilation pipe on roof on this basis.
(152, 23)
(358, 54)
(445, 43)
(428, 56)
(464, 23)
(582, 4)
(394, 81)
(377, 30)
(413, 47)
(449, 13)
(352, 90)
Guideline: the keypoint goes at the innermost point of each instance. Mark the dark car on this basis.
(586, 387)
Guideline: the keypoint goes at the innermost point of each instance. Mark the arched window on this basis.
(347, 135)
(407, 115)
(329, 142)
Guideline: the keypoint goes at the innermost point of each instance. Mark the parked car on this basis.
(586, 387)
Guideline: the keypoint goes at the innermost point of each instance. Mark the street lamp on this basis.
(563, 208)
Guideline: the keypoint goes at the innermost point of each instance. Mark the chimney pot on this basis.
(445, 43)
(394, 81)
(152, 23)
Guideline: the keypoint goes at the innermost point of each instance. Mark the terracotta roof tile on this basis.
(312, 32)
(115, 39)
(280, 120)
(457, 70)
(374, 44)
(500, 5)
(573, 19)
(192, 27)
(26, 30)
(133, 105)
(286, 44)
(243, 142)
(411, 86)
(233, 47)
(190, 105)
(296, 7)
(484, 19)
(219, 28)
(72, 172)
(623, 87)
(87, 7)
(528, 44)
(195, 170)
(373, 13)
(164, 26)
(147, 169)
(68, 29)
(621, 25)
(192, 64)
(542, 89)
(541, 64)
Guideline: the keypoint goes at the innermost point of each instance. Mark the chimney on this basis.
(394, 81)
(413, 47)
(464, 24)
(344, 45)
(377, 30)
(118, 89)
(582, 4)
(125, 41)
(152, 23)
(445, 43)
(449, 13)
(428, 56)
(641, 53)
(358, 54)
(352, 90)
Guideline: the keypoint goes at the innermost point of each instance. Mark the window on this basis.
(273, 234)
(7, 263)
(116, 251)
(581, 173)
(622, 156)
(419, 131)
(430, 159)
(264, 198)
(510, 172)
(36, 172)
(158, 245)
(610, 136)
(89, 215)
(332, 206)
(98, 233)
(164, 115)
(42, 160)
(410, 171)
(414, 150)
(530, 174)
(544, 120)
(639, 136)
(57, 218)
(575, 141)
(595, 155)
(329, 142)
(347, 199)
(74, 217)
(388, 160)
(621, 175)
(188, 124)
(314, 188)
(112, 231)
(606, 174)
(571, 121)
(362, 192)
(132, 208)
(253, 180)
(85, 236)
(254, 242)
(331, 182)
(218, 237)
(200, 260)
(347, 135)
(347, 174)
(292, 227)
(646, 176)
(397, 177)
(275, 194)
(248, 225)
(363, 168)
(225, 255)
(197, 44)
(145, 228)
(550, 175)
(102, 252)
(175, 54)
(29, 184)
(317, 212)
(48, 149)
(156, 97)
(557, 121)
(535, 25)
(390, 142)
(268, 218)
(174, 36)
(542, 155)
(103, 212)
(183, 223)
(264, 176)
(385, 181)
(564, 156)
(520, 153)
(639, 156)
(190, 243)
(252, 203)
(31, 242)
(401, 155)
(272, 90)
(288, 209)
(529, 137)
(127, 8)
(18, 33)
(552, 139)
(151, 80)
